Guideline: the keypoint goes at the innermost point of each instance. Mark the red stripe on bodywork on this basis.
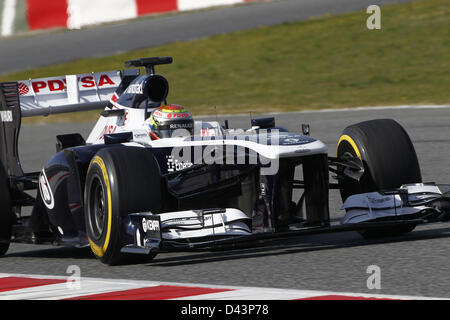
(151, 293)
(338, 297)
(155, 6)
(16, 283)
(44, 14)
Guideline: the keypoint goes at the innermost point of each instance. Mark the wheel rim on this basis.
(348, 186)
(97, 208)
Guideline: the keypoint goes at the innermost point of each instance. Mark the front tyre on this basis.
(389, 161)
(120, 181)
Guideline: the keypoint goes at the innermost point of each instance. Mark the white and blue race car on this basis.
(123, 192)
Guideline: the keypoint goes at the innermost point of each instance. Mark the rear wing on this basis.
(70, 93)
(46, 96)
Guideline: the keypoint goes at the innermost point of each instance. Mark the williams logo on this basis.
(46, 192)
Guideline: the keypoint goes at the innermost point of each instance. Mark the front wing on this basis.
(224, 228)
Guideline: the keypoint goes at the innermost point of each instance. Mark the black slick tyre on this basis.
(389, 159)
(119, 181)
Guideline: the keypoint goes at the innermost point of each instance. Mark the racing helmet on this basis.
(165, 120)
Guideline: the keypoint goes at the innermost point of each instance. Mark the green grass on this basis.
(327, 62)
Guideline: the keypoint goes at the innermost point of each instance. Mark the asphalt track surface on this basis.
(26, 52)
(414, 264)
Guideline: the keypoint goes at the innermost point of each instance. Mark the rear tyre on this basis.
(120, 181)
(389, 160)
(6, 215)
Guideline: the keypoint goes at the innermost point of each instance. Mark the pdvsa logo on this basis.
(23, 88)
(58, 85)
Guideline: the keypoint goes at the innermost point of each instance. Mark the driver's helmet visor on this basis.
(175, 129)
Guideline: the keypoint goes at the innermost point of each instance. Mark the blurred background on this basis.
(266, 56)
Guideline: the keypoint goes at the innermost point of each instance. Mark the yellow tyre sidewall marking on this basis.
(351, 142)
(100, 251)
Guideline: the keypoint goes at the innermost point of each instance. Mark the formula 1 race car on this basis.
(124, 192)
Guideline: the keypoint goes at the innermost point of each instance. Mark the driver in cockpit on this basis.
(168, 119)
